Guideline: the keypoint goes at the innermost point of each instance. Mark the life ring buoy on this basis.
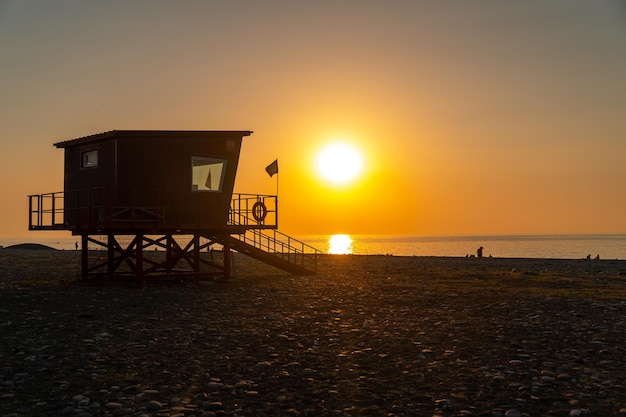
(259, 211)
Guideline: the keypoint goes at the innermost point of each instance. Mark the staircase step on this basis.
(291, 258)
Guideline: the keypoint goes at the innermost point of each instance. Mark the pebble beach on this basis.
(367, 336)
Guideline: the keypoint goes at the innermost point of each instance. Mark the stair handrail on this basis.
(293, 250)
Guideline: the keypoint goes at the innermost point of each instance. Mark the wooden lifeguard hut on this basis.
(149, 203)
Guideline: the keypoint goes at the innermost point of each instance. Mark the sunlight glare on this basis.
(339, 163)
(340, 245)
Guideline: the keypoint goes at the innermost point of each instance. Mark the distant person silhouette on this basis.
(76, 246)
(479, 252)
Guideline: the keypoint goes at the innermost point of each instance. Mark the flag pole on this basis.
(272, 169)
(277, 198)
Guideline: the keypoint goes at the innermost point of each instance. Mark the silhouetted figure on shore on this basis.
(76, 246)
(479, 252)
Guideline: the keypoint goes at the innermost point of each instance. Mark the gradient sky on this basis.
(474, 117)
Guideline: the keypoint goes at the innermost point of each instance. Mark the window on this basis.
(89, 158)
(207, 174)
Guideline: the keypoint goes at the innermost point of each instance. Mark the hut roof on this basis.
(155, 133)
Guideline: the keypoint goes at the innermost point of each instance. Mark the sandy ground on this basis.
(367, 336)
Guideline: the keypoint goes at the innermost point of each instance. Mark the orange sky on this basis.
(473, 118)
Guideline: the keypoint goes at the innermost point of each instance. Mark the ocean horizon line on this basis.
(557, 246)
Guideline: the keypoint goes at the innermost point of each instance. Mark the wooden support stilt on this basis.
(169, 243)
(196, 253)
(227, 264)
(84, 258)
(110, 254)
(139, 257)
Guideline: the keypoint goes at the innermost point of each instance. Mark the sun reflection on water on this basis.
(340, 245)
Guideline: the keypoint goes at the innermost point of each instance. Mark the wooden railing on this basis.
(100, 208)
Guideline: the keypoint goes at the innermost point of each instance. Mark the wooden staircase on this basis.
(275, 248)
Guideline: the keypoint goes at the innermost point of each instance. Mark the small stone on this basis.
(513, 413)
(263, 365)
(131, 389)
(113, 406)
(214, 405)
(78, 398)
(242, 384)
(153, 405)
(214, 386)
(150, 392)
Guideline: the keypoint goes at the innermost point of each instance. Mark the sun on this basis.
(339, 163)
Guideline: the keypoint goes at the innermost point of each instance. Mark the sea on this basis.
(575, 246)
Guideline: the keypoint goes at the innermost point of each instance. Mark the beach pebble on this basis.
(513, 413)
(78, 398)
(214, 386)
(264, 365)
(113, 406)
(213, 405)
(154, 405)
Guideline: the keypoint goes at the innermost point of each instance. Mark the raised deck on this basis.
(250, 229)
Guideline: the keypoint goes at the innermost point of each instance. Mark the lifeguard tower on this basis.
(150, 204)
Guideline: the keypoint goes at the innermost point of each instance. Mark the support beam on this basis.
(227, 264)
(169, 244)
(139, 257)
(110, 254)
(195, 248)
(84, 258)
(142, 257)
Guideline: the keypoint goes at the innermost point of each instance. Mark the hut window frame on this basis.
(207, 174)
(89, 158)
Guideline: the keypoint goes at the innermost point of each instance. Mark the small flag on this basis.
(272, 168)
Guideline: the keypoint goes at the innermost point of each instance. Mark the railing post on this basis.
(30, 212)
(53, 209)
(40, 211)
